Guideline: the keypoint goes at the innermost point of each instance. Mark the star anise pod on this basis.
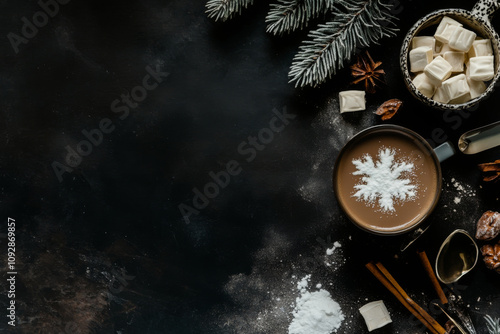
(491, 171)
(368, 71)
(388, 108)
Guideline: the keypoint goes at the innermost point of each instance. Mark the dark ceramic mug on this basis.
(424, 158)
(479, 20)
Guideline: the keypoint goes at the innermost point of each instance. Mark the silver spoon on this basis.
(480, 139)
(457, 256)
(451, 319)
(458, 308)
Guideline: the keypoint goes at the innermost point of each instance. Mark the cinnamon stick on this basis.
(391, 284)
(420, 310)
(430, 272)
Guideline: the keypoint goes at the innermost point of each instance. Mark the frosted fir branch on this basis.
(359, 25)
(289, 15)
(493, 324)
(225, 9)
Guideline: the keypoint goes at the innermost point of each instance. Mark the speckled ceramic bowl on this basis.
(478, 20)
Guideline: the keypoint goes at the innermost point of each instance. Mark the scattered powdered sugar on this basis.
(463, 190)
(304, 283)
(309, 190)
(336, 244)
(329, 132)
(383, 180)
(315, 312)
(263, 300)
(334, 259)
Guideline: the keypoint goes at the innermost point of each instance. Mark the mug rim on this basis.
(388, 128)
(405, 49)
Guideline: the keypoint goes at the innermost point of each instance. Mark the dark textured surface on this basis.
(106, 250)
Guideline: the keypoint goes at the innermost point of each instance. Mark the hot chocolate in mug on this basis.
(387, 179)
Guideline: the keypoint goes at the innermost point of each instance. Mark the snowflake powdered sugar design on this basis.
(383, 180)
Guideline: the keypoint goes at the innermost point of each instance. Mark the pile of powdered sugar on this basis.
(315, 312)
(274, 294)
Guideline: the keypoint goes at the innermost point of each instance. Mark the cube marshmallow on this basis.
(445, 29)
(424, 85)
(461, 39)
(438, 70)
(420, 58)
(481, 68)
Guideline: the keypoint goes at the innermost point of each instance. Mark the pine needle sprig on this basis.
(332, 45)
(289, 15)
(493, 324)
(225, 9)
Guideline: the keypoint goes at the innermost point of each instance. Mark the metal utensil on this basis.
(413, 236)
(454, 304)
(451, 319)
(457, 256)
(480, 139)
(458, 308)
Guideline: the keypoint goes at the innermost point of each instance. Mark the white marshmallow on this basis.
(461, 99)
(438, 70)
(456, 60)
(420, 58)
(437, 47)
(375, 315)
(481, 47)
(456, 87)
(476, 88)
(352, 100)
(481, 68)
(448, 31)
(461, 39)
(444, 48)
(445, 29)
(452, 47)
(419, 41)
(424, 85)
(441, 96)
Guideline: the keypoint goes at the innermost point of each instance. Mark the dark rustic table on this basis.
(116, 114)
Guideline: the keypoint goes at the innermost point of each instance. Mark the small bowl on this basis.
(478, 20)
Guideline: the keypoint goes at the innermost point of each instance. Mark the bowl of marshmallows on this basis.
(449, 58)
